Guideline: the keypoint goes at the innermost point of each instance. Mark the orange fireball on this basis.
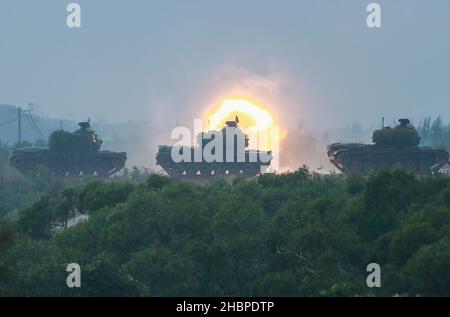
(254, 119)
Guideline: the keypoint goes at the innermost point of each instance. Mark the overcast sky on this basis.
(311, 61)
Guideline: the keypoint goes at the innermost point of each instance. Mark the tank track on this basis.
(101, 164)
(370, 159)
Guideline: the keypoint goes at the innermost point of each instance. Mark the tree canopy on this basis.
(293, 234)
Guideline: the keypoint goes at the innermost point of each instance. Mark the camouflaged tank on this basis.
(393, 148)
(70, 154)
(234, 160)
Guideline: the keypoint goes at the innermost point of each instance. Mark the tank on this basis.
(396, 147)
(234, 160)
(70, 154)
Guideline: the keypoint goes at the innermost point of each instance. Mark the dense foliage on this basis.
(295, 234)
(20, 193)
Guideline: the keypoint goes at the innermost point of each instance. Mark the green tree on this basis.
(37, 221)
(96, 195)
(104, 277)
(427, 272)
(33, 268)
(161, 272)
(157, 181)
(409, 239)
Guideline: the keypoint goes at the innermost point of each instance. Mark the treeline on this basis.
(435, 133)
(294, 234)
(18, 192)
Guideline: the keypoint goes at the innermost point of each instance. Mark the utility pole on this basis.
(19, 114)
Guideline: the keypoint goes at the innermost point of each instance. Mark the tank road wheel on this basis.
(192, 171)
(233, 170)
(170, 172)
(181, 172)
(176, 171)
(207, 170)
(74, 172)
(88, 171)
(102, 173)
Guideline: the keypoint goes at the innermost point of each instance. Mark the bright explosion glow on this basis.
(253, 119)
(250, 115)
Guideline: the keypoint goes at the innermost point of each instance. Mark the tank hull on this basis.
(102, 163)
(250, 167)
(364, 159)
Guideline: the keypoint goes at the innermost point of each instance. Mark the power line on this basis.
(32, 122)
(33, 125)
(37, 127)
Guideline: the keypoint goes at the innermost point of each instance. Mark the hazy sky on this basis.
(311, 61)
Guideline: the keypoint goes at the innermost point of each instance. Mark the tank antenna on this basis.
(60, 125)
(382, 122)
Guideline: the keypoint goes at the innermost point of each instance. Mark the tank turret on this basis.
(405, 134)
(396, 147)
(70, 154)
(231, 130)
(83, 140)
